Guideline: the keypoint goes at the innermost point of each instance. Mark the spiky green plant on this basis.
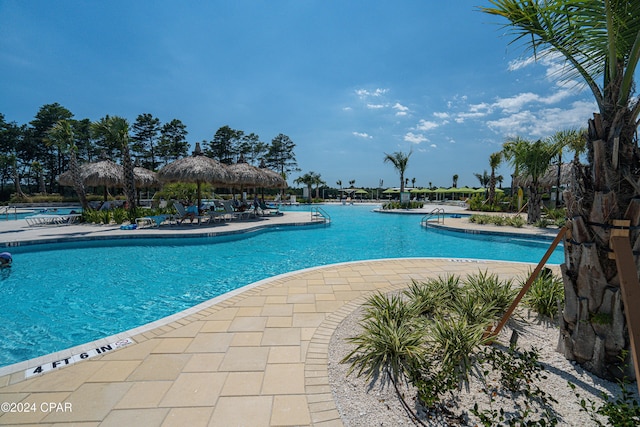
(391, 342)
(433, 296)
(545, 294)
(456, 341)
(491, 291)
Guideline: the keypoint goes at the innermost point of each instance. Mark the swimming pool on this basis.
(60, 295)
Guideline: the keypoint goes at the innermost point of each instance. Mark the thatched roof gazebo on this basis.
(550, 177)
(196, 169)
(107, 173)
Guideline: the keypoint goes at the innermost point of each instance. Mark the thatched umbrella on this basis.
(197, 169)
(145, 178)
(103, 173)
(550, 178)
(109, 174)
(271, 178)
(246, 175)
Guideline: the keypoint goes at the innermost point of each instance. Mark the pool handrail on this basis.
(437, 213)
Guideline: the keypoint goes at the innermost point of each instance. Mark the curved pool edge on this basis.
(92, 232)
(294, 388)
(167, 321)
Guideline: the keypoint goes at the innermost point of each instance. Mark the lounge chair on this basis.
(267, 210)
(183, 214)
(216, 215)
(151, 221)
(232, 213)
(52, 219)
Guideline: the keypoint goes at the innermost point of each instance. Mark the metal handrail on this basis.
(437, 213)
(319, 214)
(5, 211)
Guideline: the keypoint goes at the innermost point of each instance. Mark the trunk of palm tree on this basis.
(129, 181)
(534, 212)
(492, 188)
(78, 186)
(593, 326)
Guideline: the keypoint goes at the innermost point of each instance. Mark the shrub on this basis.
(545, 294)
(516, 221)
(491, 291)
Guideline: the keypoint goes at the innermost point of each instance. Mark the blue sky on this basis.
(347, 81)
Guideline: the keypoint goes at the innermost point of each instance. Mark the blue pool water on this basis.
(56, 296)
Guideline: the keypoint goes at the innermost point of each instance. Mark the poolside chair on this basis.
(216, 215)
(267, 210)
(182, 214)
(151, 221)
(231, 213)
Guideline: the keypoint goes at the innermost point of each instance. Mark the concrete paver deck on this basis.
(257, 357)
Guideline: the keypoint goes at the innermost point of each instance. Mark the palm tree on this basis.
(600, 41)
(532, 160)
(61, 135)
(399, 161)
(455, 181)
(494, 161)
(116, 131)
(309, 179)
(573, 139)
(484, 178)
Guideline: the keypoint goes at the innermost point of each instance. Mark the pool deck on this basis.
(257, 356)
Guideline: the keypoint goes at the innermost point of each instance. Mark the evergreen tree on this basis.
(280, 155)
(144, 140)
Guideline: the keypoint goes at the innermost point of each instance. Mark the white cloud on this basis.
(441, 115)
(515, 103)
(415, 138)
(375, 106)
(362, 135)
(347, 109)
(363, 93)
(433, 146)
(401, 110)
(544, 122)
(425, 125)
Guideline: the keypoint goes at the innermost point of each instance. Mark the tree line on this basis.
(32, 158)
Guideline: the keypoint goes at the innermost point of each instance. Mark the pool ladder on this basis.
(319, 214)
(4, 210)
(437, 213)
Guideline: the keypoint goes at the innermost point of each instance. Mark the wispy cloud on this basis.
(401, 110)
(426, 125)
(362, 135)
(415, 138)
(375, 106)
(544, 122)
(364, 93)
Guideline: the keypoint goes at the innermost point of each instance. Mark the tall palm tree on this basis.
(399, 160)
(61, 135)
(572, 139)
(600, 41)
(115, 130)
(484, 178)
(494, 161)
(532, 159)
(455, 181)
(309, 179)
